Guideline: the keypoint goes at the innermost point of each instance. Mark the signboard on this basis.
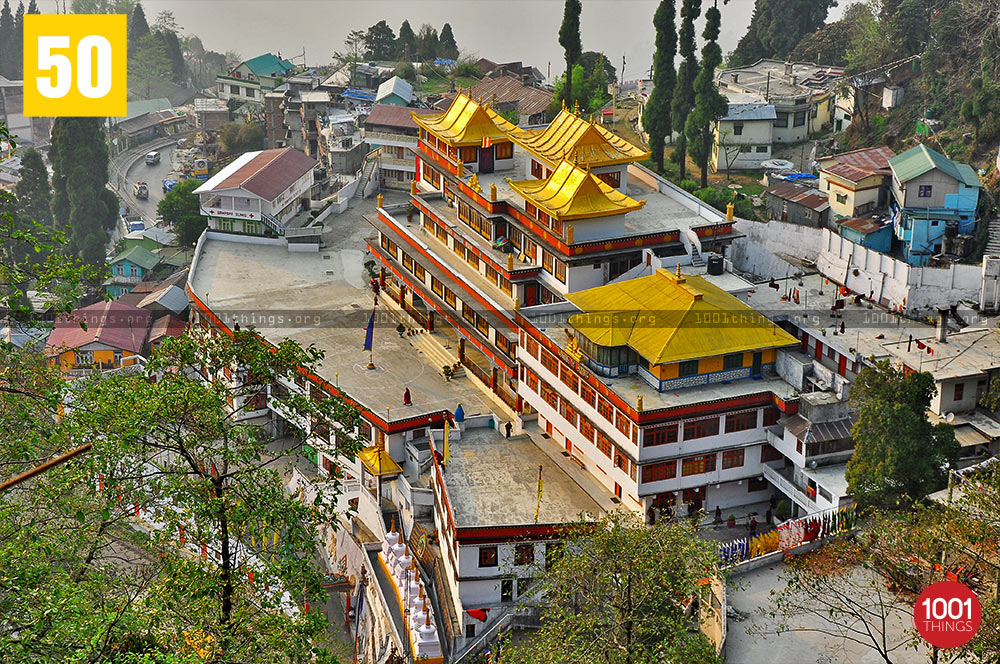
(230, 214)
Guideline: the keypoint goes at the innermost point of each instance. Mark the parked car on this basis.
(168, 184)
(181, 142)
(152, 158)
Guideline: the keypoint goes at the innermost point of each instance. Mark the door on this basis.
(486, 159)
(569, 446)
(757, 360)
(530, 295)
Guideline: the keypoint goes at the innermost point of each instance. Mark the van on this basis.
(152, 158)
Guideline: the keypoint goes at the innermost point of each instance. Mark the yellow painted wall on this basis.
(710, 364)
(106, 356)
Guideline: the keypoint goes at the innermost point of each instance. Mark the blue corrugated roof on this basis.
(748, 112)
(268, 64)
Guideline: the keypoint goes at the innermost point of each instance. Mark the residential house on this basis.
(164, 327)
(341, 147)
(111, 332)
(797, 203)
(856, 182)
(526, 74)
(128, 268)
(802, 94)
(143, 128)
(210, 114)
(150, 239)
(933, 199)
(394, 92)
(868, 231)
(25, 130)
(743, 137)
(508, 94)
(391, 130)
(258, 193)
(251, 79)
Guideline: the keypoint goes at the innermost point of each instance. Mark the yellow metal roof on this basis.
(378, 462)
(669, 318)
(570, 192)
(466, 122)
(569, 137)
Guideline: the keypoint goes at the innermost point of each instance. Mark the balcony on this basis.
(781, 478)
(385, 161)
(377, 136)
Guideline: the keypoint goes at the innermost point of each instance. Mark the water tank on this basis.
(950, 228)
(715, 266)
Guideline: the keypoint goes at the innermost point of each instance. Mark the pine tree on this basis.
(447, 47)
(34, 195)
(32, 8)
(7, 40)
(17, 72)
(710, 105)
(683, 100)
(172, 49)
(656, 117)
(569, 39)
(81, 202)
(407, 42)
(137, 28)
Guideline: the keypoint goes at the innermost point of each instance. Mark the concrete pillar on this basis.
(493, 379)
(461, 350)
(430, 321)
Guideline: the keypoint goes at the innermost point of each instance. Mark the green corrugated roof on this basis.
(140, 256)
(268, 65)
(919, 159)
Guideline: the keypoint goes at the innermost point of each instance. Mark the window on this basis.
(688, 368)
(568, 412)
(701, 428)
(550, 363)
(959, 391)
(734, 361)
(697, 465)
(588, 395)
(549, 395)
(771, 415)
(389, 246)
(738, 129)
(800, 119)
(487, 556)
(449, 297)
(841, 198)
(762, 149)
(437, 286)
(757, 484)
(612, 179)
(507, 590)
(468, 154)
(924, 191)
(504, 151)
(622, 423)
(732, 459)
(524, 554)
(603, 444)
(568, 377)
(419, 272)
(798, 446)
(470, 630)
(587, 429)
(621, 461)
(536, 172)
(769, 453)
(693, 495)
(741, 421)
(656, 472)
(606, 410)
(532, 347)
(781, 119)
(532, 381)
(660, 435)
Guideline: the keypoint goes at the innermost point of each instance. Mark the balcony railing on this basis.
(790, 489)
(396, 161)
(403, 138)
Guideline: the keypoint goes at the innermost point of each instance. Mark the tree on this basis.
(34, 195)
(380, 42)
(591, 60)
(447, 47)
(138, 29)
(148, 64)
(172, 49)
(828, 45)
(978, 108)
(406, 45)
(81, 203)
(8, 38)
(354, 49)
(18, 46)
(683, 101)
(777, 26)
(237, 138)
(710, 104)
(102, 7)
(616, 593)
(569, 39)
(180, 208)
(165, 22)
(656, 116)
(899, 455)
(427, 43)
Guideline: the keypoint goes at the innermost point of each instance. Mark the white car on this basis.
(152, 158)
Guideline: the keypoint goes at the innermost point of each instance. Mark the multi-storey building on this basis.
(259, 193)
(391, 130)
(663, 387)
(510, 217)
(251, 79)
(856, 182)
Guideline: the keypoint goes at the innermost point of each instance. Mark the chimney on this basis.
(942, 325)
(788, 69)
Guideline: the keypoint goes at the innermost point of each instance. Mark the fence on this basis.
(789, 535)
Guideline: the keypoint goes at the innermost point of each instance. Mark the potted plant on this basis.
(731, 521)
(448, 372)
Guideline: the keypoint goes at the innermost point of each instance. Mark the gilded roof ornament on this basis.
(474, 183)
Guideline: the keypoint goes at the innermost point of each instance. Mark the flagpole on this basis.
(538, 506)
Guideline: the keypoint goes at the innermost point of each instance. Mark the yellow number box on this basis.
(75, 65)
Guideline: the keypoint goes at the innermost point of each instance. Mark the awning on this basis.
(378, 462)
(968, 436)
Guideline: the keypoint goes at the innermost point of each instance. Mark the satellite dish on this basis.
(812, 464)
(949, 417)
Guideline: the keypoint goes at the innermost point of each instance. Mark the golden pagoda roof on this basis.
(378, 462)
(466, 122)
(571, 192)
(663, 318)
(569, 137)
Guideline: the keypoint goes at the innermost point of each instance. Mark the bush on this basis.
(467, 69)
(783, 511)
(405, 71)
(689, 185)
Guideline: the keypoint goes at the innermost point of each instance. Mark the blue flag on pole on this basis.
(370, 332)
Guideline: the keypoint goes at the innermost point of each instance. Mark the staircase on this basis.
(435, 353)
(696, 259)
(993, 237)
(367, 172)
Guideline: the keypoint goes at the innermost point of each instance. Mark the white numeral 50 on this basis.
(85, 69)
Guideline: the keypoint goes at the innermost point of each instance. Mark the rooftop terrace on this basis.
(493, 481)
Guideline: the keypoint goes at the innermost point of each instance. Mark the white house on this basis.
(743, 137)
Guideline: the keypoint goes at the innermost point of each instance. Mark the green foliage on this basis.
(684, 95)
(8, 38)
(569, 39)
(710, 104)
(34, 195)
(100, 7)
(406, 45)
(615, 594)
(237, 138)
(776, 27)
(591, 59)
(427, 43)
(81, 203)
(148, 64)
(899, 455)
(406, 71)
(447, 47)
(990, 399)
(783, 510)
(466, 69)
(138, 29)
(828, 45)
(180, 207)
(980, 106)
(591, 90)
(380, 42)
(689, 185)
(656, 116)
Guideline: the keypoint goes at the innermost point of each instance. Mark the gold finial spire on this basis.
(393, 529)
(576, 107)
(678, 269)
(591, 118)
(564, 104)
